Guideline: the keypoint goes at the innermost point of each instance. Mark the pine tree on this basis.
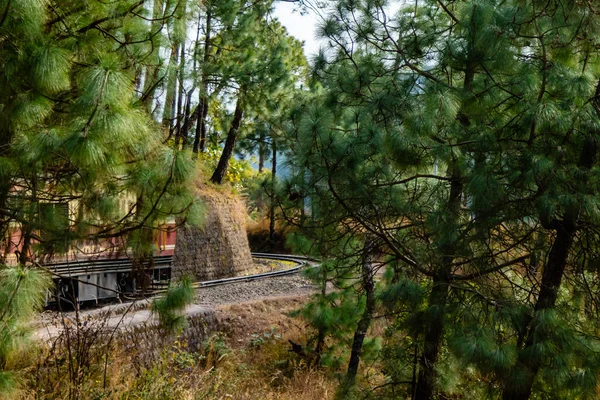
(254, 67)
(76, 131)
(464, 88)
(22, 293)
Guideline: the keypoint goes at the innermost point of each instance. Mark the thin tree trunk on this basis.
(191, 117)
(434, 331)
(151, 76)
(27, 227)
(260, 201)
(261, 151)
(273, 183)
(170, 99)
(415, 365)
(432, 342)
(186, 119)
(197, 117)
(321, 335)
(180, 95)
(368, 285)
(524, 373)
(200, 138)
(302, 200)
(438, 297)
(202, 124)
(185, 128)
(6, 136)
(219, 173)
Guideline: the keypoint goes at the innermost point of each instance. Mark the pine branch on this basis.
(114, 16)
(370, 229)
(5, 13)
(412, 178)
(480, 274)
(450, 14)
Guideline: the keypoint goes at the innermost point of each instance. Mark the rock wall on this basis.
(219, 248)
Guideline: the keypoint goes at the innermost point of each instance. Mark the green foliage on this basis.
(255, 65)
(22, 294)
(403, 293)
(73, 129)
(170, 308)
(460, 138)
(238, 172)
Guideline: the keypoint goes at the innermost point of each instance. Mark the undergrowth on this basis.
(171, 369)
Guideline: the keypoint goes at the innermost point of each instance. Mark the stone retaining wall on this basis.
(219, 248)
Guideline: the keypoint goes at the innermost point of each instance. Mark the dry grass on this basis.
(241, 322)
(263, 265)
(258, 236)
(247, 358)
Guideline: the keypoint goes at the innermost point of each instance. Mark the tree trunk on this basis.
(151, 77)
(202, 124)
(200, 137)
(170, 98)
(219, 173)
(142, 259)
(260, 201)
(180, 96)
(174, 97)
(27, 226)
(434, 331)
(432, 342)
(261, 152)
(368, 285)
(187, 120)
(523, 374)
(273, 183)
(196, 116)
(5, 180)
(321, 335)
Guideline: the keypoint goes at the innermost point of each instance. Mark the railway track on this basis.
(121, 266)
(255, 286)
(300, 261)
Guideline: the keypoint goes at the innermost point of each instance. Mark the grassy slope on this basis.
(246, 358)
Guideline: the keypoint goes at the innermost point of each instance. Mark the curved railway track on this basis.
(301, 262)
(75, 271)
(114, 313)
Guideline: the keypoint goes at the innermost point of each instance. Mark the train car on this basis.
(106, 274)
(98, 271)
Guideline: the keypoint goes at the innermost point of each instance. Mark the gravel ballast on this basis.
(260, 288)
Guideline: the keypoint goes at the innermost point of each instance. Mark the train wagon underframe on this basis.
(93, 281)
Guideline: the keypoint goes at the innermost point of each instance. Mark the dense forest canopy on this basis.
(454, 144)
(442, 158)
(104, 108)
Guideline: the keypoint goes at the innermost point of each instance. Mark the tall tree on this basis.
(77, 131)
(259, 71)
(435, 87)
(77, 142)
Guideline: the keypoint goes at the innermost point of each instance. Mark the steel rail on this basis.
(299, 260)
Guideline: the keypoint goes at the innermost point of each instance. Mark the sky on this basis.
(302, 27)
